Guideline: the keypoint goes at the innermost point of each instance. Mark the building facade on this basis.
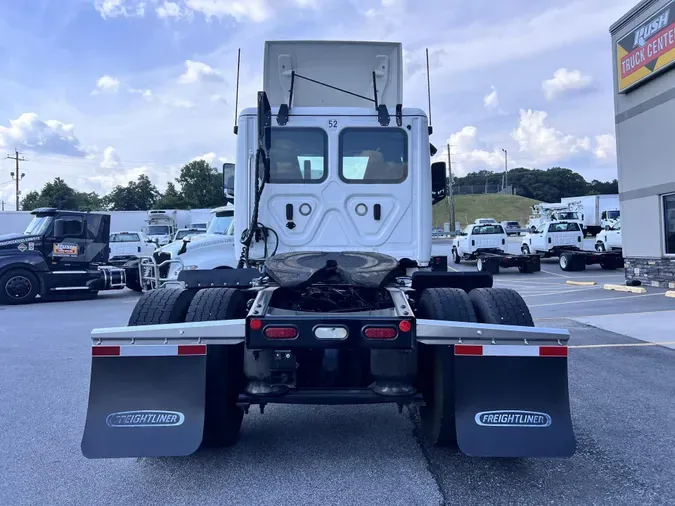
(643, 47)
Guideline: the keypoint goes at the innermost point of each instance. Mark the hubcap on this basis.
(563, 261)
(479, 264)
(18, 287)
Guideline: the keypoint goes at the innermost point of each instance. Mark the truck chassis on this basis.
(194, 360)
(491, 261)
(577, 260)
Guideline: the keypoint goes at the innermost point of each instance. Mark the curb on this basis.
(581, 283)
(624, 288)
(670, 293)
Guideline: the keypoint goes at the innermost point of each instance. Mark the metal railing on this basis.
(149, 271)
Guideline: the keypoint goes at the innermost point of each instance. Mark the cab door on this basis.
(67, 251)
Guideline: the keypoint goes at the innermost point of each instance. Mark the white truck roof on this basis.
(347, 65)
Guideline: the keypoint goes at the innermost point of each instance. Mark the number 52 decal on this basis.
(332, 123)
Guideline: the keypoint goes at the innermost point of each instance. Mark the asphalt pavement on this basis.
(621, 399)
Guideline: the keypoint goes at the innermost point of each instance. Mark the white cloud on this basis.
(605, 146)
(491, 100)
(146, 94)
(564, 81)
(210, 158)
(108, 84)
(468, 154)
(172, 10)
(115, 8)
(253, 10)
(543, 145)
(196, 71)
(28, 132)
(218, 98)
(111, 159)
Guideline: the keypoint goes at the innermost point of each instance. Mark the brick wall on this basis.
(658, 272)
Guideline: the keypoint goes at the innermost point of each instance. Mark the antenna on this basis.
(431, 128)
(236, 95)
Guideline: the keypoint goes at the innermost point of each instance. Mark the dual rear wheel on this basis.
(499, 306)
(224, 363)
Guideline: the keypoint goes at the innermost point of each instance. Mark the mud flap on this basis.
(146, 406)
(512, 406)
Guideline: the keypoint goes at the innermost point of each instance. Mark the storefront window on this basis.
(669, 223)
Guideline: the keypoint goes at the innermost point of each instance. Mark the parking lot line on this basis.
(597, 300)
(555, 274)
(561, 292)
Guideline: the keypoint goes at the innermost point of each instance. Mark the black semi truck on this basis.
(60, 255)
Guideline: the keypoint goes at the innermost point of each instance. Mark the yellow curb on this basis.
(624, 288)
(581, 283)
(670, 293)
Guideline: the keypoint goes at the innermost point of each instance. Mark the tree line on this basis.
(200, 186)
(548, 185)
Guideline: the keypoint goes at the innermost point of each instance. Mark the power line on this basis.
(17, 176)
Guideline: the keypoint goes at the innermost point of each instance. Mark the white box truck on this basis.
(599, 211)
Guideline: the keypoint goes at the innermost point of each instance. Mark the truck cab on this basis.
(60, 251)
(552, 237)
(609, 239)
(161, 226)
(478, 238)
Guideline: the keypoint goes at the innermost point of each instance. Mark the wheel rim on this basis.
(18, 287)
(479, 264)
(563, 261)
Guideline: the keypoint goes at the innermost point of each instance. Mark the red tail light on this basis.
(281, 332)
(405, 326)
(255, 324)
(380, 332)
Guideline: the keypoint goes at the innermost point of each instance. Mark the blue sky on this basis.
(99, 91)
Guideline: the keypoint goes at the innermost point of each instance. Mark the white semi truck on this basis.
(333, 299)
(161, 225)
(598, 211)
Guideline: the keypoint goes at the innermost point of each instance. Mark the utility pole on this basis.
(506, 169)
(451, 199)
(16, 176)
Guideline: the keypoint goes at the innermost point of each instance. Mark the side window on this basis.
(541, 228)
(373, 155)
(93, 227)
(669, 223)
(72, 226)
(298, 155)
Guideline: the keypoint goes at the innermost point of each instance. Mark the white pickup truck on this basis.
(475, 239)
(609, 239)
(125, 246)
(552, 237)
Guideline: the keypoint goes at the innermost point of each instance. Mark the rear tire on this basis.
(166, 305)
(500, 306)
(436, 364)
(18, 286)
(224, 366)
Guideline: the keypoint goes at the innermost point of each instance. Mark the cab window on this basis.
(373, 155)
(563, 227)
(298, 155)
(487, 229)
(124, 237)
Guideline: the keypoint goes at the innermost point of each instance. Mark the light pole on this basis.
(506, 169)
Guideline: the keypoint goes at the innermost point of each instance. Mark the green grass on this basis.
(470, 207)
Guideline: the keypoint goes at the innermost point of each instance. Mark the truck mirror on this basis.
(264, 122)
(59, 227)
(228, 178)
(438, 182)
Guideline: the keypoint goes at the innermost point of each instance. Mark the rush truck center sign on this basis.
(648, 49)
